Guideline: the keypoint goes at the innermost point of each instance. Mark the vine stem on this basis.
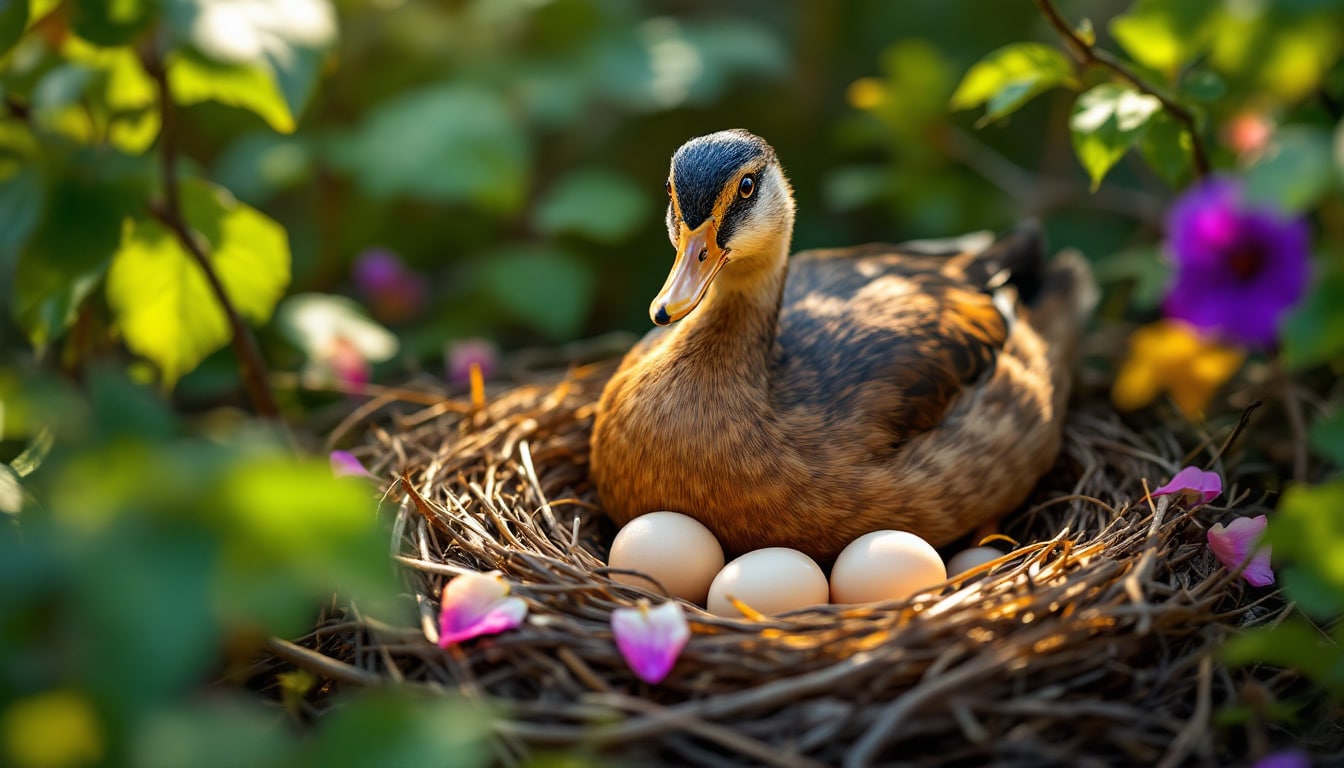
(1086, 54)
(252, 366)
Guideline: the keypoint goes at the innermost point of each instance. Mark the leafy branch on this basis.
(252, 366)
(1087, 54)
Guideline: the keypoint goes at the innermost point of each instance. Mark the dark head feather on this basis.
(704, 164)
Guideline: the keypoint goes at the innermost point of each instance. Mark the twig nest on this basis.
(885, 565)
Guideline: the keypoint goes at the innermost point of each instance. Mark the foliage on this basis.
(181, 176)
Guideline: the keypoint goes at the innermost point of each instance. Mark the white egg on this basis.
(885, 565)
(675, 549)
(967, 559)
(771, 581)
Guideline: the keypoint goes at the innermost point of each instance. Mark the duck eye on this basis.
(747, 186)
(668, 185)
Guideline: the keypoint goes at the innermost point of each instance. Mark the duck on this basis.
(803, 401)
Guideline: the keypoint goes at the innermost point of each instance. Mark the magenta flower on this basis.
(344, 464)
(393, 290)
(464, 353)
(1192, 487)
(1238, 268)
(476, 604)
(1232, 543)
(650, 639)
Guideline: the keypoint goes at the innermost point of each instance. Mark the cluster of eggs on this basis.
(686, 559)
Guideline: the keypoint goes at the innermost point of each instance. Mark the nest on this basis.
(1093, 643)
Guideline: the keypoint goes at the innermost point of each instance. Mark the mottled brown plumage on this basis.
(804, 402)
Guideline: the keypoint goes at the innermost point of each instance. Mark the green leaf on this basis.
(1295, 172)
(160, 297)
(1107, 120)
(1203, 86)
(1009, 77)
(62, 264)
(1167, 148)
(1308, 533)
(13, 21)
(1313, 334)
(1327, 437)
(259, 165)
(11, 493)
(285, 42)
(110, 22)
(443, 143)
(542, 287)
(1294, 644)
(193, 79)
(595, 203)
(1165, 34)
(396, 727)
(292, 535)
(220, 731)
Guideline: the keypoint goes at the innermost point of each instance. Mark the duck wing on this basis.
(891, 335)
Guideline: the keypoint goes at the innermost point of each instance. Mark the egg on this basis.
(967, 559)
(675, 549)
(772, 580)
(885, 565)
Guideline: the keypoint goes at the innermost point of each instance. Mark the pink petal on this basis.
(1232, 543)
(651, 639)
(344, 464)
(1193, 487)
(476, 604)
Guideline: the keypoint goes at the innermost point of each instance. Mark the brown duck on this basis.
(805, 401)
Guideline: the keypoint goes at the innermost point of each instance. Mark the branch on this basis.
(1088, 55)
(252, 366)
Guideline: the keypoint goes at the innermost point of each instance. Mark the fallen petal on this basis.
(1232, 543)
(344, 464)
(651, 639)
(1193, 487)
(476, 604)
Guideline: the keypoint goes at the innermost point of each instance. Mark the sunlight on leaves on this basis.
(1166, 147)
(1164, 34)
(58, 729)
(160, 297)
(1009, 77)
(1107, 120)
(193, 79)
(1308, 532)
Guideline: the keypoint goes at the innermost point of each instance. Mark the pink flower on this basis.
(393, 291)
(1232, 543)
(463, 354)
(476, 604)
(344, 464)
(1193, 487)
(347, 364)
(650, 639)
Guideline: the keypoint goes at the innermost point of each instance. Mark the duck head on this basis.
(728, 203)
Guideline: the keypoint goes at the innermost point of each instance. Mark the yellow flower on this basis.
(1168, 356)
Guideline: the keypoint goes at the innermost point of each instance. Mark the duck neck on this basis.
(733, 329)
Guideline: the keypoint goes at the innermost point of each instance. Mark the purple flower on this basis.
(463, 354)
(1288, 758)
(1232, 543)
(1239, 268)
(476, 604)
(650, 639)
(344, 464)
(1192, 487)
(393, 291)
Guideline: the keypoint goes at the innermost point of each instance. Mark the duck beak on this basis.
(699, 259)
